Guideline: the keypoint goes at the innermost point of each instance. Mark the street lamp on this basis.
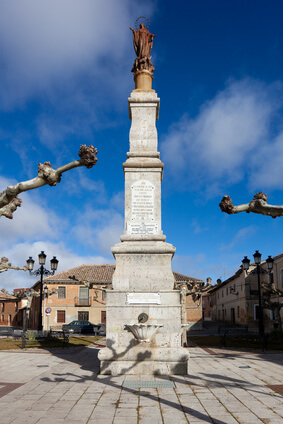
(258, 271)
(42, 272)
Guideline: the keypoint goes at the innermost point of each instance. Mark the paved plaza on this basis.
(63, 386)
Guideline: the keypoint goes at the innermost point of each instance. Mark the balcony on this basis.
(82, 301)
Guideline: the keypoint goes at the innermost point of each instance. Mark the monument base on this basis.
(153, 353)
(144, 360)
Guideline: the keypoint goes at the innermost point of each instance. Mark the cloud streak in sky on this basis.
(43, 44)
(228, 140)
(19, 253)
(100, 229)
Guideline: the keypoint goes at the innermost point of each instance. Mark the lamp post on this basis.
(42, 272)
(258, 271)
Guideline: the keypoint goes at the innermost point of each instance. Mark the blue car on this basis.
(80, 327)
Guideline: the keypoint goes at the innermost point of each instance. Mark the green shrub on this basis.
(276, 335)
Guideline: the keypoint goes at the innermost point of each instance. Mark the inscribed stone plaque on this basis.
(139, 298)
(142, 228)
(142, 201)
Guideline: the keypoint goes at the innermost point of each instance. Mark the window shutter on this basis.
(60, 316)
(281, 277)
(61, 292)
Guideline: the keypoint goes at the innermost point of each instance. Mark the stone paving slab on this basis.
(63, 387)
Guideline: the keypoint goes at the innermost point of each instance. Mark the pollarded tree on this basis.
(195, 289)
(271, 300)
(257, 205)
(9, 201)
(5, 265)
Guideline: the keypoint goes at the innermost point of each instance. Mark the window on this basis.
(84, 293)
(270, 278)
(61, 292)
(83, 316)
(2, 307)
(103, 295)
(103, 317)
(227, 291)
(256, 312)
(16, 307)
(272, 317)
(2, 318)
(60, 316)
(238, 311)
(217, 295)
(281, 277)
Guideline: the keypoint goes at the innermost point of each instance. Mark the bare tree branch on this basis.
(269, 302)
(28, 295)
(5, 265)
(46, 175)
(257, 205)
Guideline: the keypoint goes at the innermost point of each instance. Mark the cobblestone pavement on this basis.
(62, 386)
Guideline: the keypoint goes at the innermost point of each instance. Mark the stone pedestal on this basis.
(143, 281)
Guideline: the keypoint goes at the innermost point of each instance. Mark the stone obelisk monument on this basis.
(143, 310)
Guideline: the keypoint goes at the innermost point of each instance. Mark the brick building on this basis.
(193, 303)
(207, 306)
(85, 297)
(236, 300)
(11, 313)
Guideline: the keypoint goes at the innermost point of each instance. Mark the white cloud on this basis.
(190, 265)
(202, 266)
(29, 221)
(118, 201)
(198, 229)
(79, 182)
(19, 253)
(240, 237)
(45, 43)
(99, 228)
(217, 147)
(267, 169)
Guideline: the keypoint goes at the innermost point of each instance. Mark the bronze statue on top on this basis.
(143, 41)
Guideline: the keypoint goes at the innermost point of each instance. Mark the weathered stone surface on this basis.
(143, 281)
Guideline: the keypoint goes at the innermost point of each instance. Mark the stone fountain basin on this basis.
(143, 332)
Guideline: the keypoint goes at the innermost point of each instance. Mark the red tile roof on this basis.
(181, 277)
(97, 274)
(221, 285)
(92, 273)
(7, 296)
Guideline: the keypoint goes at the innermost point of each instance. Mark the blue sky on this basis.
(64, 81)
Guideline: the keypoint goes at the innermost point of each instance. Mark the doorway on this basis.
(232, 315)
(83, 315)
(103, 317)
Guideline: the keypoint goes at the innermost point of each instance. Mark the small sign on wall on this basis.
(143, 298)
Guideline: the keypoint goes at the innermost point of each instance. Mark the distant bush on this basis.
(276, 335)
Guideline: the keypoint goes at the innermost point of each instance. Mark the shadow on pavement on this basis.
(88, 361)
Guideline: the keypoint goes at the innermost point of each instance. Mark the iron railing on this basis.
(82, 301)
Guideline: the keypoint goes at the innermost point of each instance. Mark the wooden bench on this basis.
(59, 334)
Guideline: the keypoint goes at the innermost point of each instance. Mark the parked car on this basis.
(80, 327)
